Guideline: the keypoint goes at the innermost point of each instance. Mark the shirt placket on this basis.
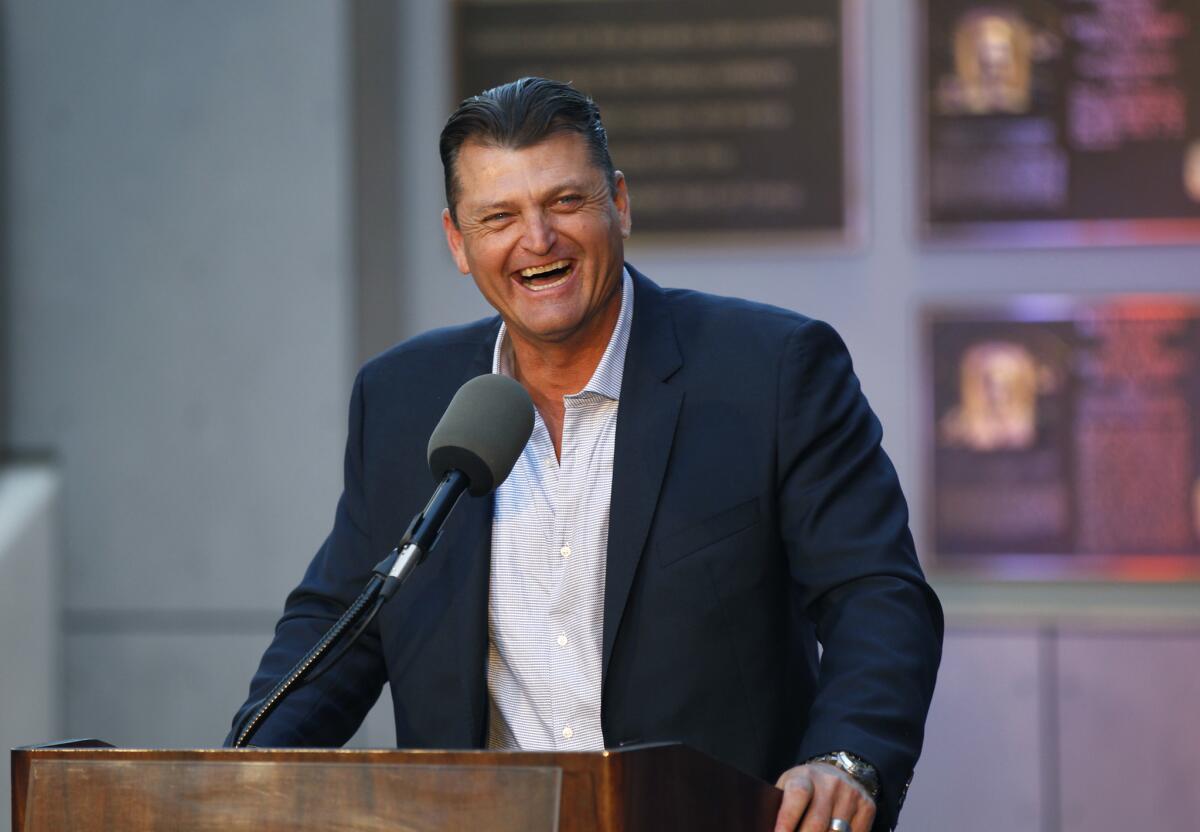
(541, 580)
(564, 560)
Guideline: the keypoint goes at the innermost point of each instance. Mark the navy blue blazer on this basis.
(753, 515)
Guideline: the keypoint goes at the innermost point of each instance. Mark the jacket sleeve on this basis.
(328, 711)
(844, 523)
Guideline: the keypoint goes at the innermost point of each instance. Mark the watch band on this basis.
(863, 772)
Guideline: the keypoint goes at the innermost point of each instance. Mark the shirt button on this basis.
(565, 551)
(568, 733)
(562, 639)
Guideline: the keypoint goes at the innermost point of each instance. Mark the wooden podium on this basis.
(88, 786)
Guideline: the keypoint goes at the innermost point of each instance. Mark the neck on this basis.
(557, 370)
(549, 371)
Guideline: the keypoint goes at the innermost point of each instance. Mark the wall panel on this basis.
(1130, 745)
(981, 767)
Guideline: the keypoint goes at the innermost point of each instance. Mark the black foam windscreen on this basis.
(482, 432)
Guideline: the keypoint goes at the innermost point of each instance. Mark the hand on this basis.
(819, 792)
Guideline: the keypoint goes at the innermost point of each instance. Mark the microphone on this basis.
(473, 448)
(482, 432)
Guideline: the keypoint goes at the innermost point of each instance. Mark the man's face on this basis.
(542, 235)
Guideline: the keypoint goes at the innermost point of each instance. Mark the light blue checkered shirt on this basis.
(549, 544)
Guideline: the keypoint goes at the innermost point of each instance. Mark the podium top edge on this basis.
(102, 749)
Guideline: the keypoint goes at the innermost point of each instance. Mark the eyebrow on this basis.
(492, 206)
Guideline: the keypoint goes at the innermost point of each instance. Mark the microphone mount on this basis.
(422, 535)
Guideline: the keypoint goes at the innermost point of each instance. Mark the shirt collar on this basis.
(606, 380)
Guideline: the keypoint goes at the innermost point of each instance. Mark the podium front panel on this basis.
(88, 795)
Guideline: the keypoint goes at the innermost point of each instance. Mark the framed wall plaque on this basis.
(1063, 437)
(1060, 122)
(725, 117)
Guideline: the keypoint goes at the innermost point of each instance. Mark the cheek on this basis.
(596, 230)
(487, 254)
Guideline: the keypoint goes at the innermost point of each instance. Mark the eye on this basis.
(499, 216)
(569, 200)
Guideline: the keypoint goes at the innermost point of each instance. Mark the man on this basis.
(703, 499)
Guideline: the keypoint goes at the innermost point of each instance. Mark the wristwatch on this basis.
(863, 772)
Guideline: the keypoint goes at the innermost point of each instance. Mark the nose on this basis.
(539, 236)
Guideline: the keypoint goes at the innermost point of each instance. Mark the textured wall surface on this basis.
(180, 323)
(982, 766)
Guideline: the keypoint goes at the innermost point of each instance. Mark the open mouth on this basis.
(541, 278)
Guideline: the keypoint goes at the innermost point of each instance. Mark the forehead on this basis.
(488, 172)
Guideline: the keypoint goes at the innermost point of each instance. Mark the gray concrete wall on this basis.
(180, 322)
(30, 646)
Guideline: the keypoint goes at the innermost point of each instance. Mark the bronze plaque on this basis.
(1061, 122)
(723, 116)
(1065, 437)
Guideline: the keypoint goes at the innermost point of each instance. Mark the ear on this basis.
(621, 201)
(454, 239)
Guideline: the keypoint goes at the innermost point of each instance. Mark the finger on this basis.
(845, 805)
(864, 818)
(816, 818)
(796, 793)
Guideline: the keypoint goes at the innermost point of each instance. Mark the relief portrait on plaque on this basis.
(1064, 437)
(998, 384)
(1191, 171)
(993, 64)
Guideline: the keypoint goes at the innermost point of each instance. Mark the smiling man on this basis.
(703, 500)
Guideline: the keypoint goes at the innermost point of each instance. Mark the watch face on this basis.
(860, 770)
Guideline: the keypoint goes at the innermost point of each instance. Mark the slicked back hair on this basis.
(519, 114)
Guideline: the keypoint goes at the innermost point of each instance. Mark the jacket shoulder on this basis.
(691, 301)
(435, 351)
(735, 323)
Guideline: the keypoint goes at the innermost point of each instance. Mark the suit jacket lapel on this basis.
(476, 548)
(646, 421)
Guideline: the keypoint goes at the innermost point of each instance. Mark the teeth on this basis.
(534, 271)
(541, 287)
